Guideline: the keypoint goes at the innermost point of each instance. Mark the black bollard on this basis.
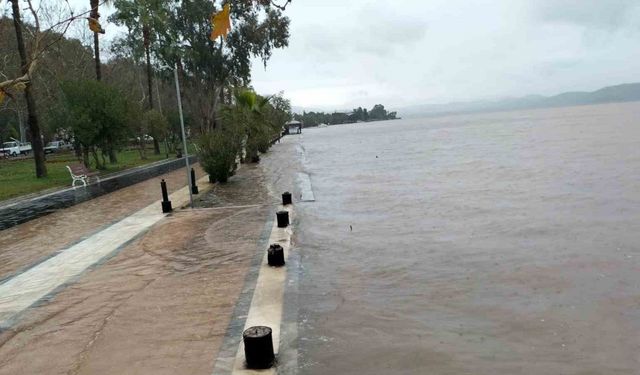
(283, 219)
(275, 255)
(166, 203)
(258, 347)
(194, 187)
(286, 198)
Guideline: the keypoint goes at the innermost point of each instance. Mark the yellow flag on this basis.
(221, 23)
(94, 25)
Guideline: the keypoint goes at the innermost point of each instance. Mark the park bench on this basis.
(80, 173)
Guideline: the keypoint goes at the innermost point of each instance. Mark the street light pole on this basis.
(184, 138)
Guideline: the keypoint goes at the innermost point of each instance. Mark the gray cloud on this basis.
(416, 51)
(373, 30)
(387, 36)
(606, 14)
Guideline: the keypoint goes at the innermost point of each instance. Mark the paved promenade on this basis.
(23, 245)
(155, 302)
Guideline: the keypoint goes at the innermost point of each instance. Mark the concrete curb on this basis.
(261, 302)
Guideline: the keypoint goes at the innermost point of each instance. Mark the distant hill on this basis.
(628, 92)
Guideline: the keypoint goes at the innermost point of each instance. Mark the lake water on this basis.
(502, 243)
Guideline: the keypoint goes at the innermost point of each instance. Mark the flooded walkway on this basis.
(23, 245)
(160, 305)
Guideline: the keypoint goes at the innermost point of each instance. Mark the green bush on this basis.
(246, 129)
(258, 141)
(218, 151)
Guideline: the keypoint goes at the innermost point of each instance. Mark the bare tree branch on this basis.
(36, 50)
(281, 7)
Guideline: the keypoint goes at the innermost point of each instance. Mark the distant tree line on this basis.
(377, 113)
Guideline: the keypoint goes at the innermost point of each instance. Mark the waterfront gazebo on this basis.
(293, 127)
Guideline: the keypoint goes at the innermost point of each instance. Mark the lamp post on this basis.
(184, 137)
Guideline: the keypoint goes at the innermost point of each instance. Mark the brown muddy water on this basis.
(505, 243)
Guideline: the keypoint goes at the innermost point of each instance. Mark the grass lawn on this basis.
(17, 177)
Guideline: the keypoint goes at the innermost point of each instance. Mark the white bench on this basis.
(80, 173)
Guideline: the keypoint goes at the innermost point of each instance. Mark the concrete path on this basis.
(25, 289)
(161, 304)
(29, 243)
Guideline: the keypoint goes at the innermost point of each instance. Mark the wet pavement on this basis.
(28, 243)
(160, 305)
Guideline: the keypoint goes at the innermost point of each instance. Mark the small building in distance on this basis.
(293, 127)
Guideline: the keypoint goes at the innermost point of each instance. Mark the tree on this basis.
(250, 115)
(8, 128)
(146, 21)
(95, 14)
(27, 70)
(155, 124)
(209, 68)
(174, 133)
(97, 114)
(31, 52)
(278, 113)
(378, 112)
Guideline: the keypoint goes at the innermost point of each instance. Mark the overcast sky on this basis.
(358, 52)
(345, 53)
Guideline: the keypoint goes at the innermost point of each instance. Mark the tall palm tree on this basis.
(252, 106)
(95, 4)
(95, 14)
(146, 19)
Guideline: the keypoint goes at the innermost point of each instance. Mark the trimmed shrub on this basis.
(218, 152)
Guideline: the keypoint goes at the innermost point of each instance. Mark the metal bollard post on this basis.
(166, 203)
(258, 347)
(275, 255)
(286, 198)
(283, 219)
(194, 187)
